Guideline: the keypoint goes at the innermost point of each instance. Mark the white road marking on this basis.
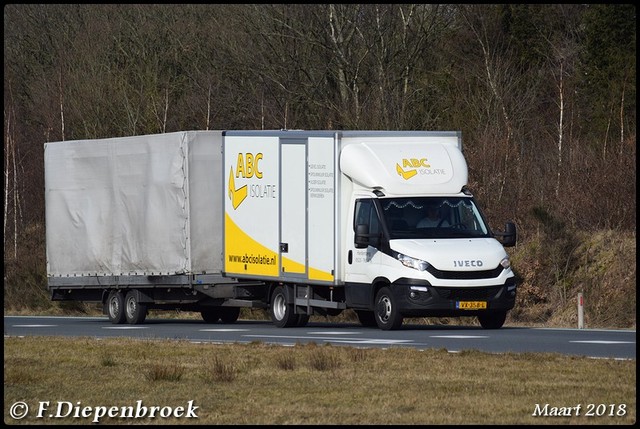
(124, 327)
(336, 339)
(459, 337)
(335, 333)
(223, 330)
(356, 341)
(34, 326)
(603, 342)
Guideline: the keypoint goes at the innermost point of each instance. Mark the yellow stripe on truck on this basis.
(320, 275)
(290, 266)
(244, 255)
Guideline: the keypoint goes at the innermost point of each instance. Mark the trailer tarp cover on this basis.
(143, 205)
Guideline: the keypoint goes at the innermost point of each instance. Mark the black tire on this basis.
(229, 314)
(282, 314)
(387, 315)
(134, 311)
(211, 315)
(366, 318)
(493, 320)
(303, 319)
(115, 307)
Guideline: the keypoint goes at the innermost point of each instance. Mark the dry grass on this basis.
(309, 384)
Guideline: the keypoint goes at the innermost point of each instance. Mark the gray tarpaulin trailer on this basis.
(135, 222)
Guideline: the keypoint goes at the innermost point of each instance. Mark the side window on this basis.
(362, 213)
(374, 222)
(366, 215)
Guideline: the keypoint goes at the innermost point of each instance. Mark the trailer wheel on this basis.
(282, 314)
(387, 315)
(115, 307)
(211, 315)
(366, 318)
(135, 312)
(229, 314)
(493, 320)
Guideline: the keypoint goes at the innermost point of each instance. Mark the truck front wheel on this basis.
(282, 314)
(115, 307)
(493, 320)
(387, 315)
(135, 312)
(366, 318)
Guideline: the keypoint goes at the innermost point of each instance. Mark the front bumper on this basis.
(417, 298)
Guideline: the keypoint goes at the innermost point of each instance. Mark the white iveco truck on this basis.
(299, 222)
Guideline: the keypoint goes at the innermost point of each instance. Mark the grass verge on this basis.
(307, 384)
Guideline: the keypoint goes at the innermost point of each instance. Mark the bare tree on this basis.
(400, 40)
(475, 18)
(562, 58)
(12, 196)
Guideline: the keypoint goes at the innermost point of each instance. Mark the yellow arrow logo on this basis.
(236, 196)
(406, 175)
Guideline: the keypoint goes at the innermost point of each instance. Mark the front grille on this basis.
(465, 275)
(468, 294)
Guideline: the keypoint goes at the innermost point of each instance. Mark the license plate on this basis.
(471, 305)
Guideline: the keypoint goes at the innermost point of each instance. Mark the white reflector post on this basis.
(580, 311)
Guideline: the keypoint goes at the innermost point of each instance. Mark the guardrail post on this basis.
(580, 311)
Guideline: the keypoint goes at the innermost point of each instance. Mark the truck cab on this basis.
(417, 243)
(453, 268)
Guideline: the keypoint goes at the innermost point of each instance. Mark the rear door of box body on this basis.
(279, 207)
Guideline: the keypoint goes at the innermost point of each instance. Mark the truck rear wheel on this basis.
(387, 315)
(493, 320)
(135, 312)
(229, 314)
(115, 307)
(282, 314)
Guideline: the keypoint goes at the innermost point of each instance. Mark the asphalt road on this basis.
(614, 344)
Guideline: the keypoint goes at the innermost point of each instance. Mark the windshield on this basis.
(433, 217)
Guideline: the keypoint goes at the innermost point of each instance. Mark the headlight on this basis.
(505, 263)
(414, 263)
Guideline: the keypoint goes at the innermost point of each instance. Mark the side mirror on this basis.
(361, 239)
(509, 236)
